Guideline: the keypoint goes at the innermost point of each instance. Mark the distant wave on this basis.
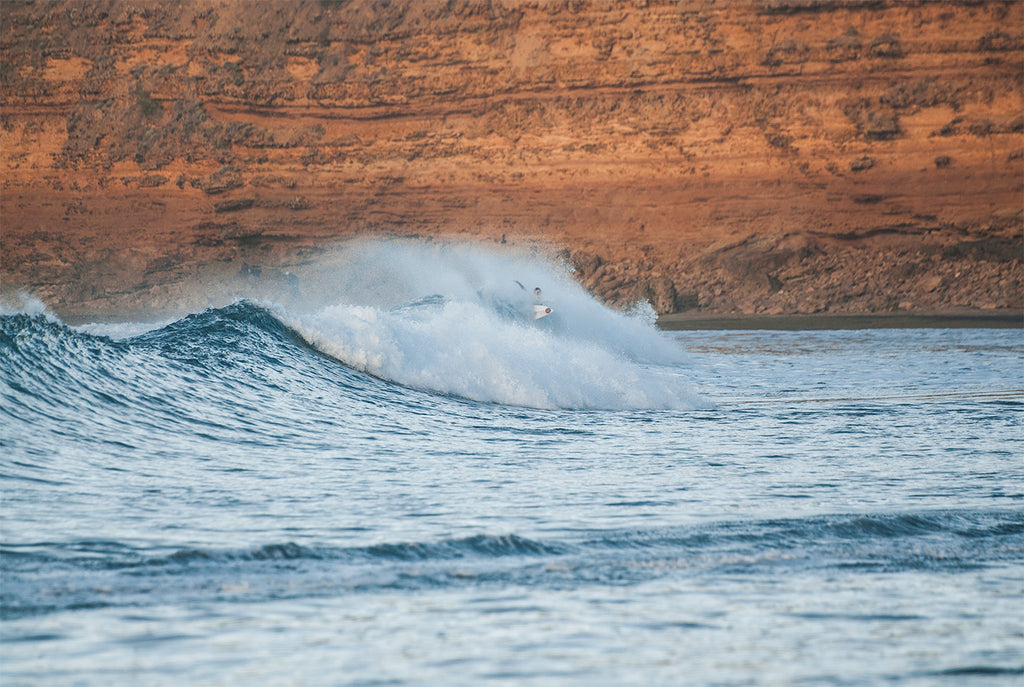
(886, 542)
(966, 527)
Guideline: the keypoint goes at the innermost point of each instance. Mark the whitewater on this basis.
(380, 471)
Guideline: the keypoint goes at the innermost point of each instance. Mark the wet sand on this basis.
(973, 319)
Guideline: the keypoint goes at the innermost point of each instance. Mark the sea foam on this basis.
(446, 318)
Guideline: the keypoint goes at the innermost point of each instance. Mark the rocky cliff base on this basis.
(782, 156)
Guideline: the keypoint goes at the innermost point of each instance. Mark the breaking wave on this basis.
(445, 319)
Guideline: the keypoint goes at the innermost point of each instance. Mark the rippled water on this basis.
(395, 490)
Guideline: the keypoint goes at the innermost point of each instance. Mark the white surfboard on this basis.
(540, 311)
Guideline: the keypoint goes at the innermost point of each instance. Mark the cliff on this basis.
(780, 156)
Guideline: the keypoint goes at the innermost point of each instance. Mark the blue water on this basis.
(377, 488)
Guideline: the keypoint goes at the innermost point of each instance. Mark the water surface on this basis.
(390, 490)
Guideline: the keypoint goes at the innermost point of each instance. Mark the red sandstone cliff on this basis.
(771, 156)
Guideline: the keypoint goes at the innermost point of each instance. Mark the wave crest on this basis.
(444, 318)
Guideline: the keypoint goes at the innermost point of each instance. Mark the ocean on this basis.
(391, 474)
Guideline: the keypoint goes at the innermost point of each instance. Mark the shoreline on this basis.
(958, 319)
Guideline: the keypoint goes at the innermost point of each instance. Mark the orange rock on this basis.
(757, 155)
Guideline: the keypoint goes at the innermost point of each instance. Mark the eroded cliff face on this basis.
(776, 156)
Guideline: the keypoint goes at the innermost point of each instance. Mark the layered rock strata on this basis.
(780, 156)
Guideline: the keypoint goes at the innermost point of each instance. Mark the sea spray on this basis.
(450, 318)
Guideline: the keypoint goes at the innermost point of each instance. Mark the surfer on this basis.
(539, 310)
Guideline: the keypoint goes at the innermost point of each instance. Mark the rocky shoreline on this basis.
(769, 157)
